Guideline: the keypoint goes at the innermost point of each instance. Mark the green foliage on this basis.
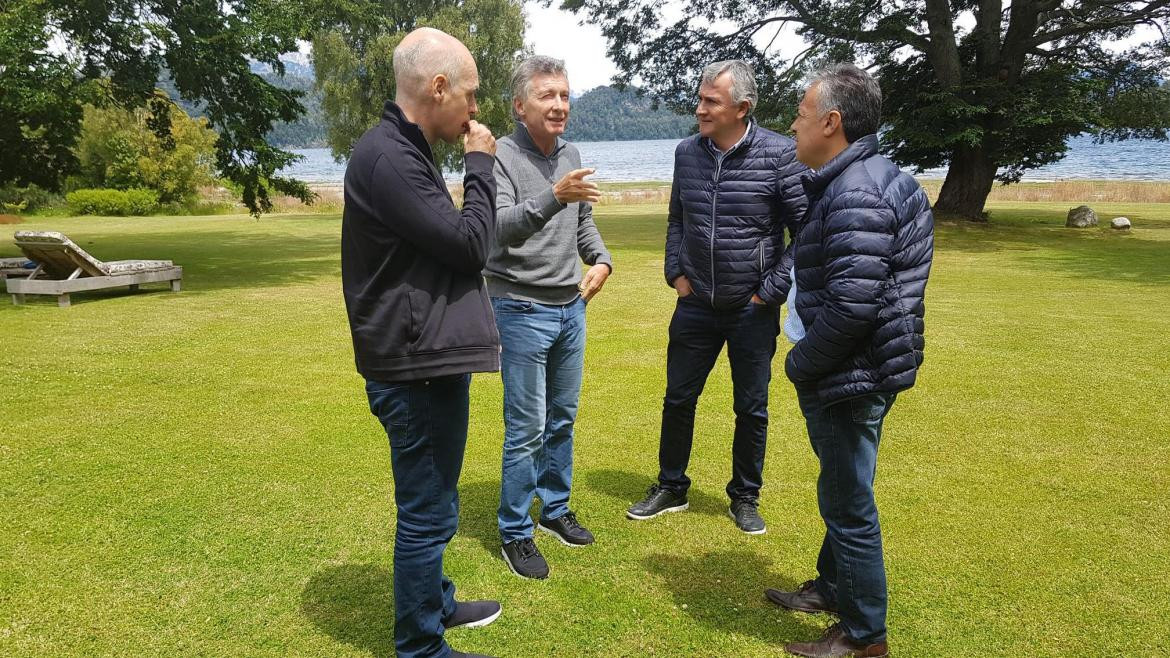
(119, 149)
(354, 68)
(15, 199)
(988, 91)
(207, 47)
(39, 99)
(608, 114)
(113, 203)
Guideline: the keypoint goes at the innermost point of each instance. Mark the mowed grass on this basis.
(198, 473)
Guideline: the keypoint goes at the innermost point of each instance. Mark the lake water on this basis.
(653, 160)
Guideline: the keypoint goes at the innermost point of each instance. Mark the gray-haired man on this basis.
(862, 262)
(736, 187)
(544, 228)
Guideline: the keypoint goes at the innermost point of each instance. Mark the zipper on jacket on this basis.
(714, 214)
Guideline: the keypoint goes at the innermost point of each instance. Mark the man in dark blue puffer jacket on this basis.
(736, 188)
(862, 259)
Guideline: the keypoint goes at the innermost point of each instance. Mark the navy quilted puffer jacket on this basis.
(727, 219)
(862, 259)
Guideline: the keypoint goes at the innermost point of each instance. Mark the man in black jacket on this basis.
(736, 188)
(419, 314)
(862, 260)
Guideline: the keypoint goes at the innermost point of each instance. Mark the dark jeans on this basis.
(697, 335)
(852, 573)
(426, 421)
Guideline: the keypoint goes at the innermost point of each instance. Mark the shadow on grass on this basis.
(478, 505)
(1039, 239)
(629, 488)
(725, 591)
(353, 604)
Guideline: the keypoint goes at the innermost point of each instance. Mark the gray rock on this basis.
(1120, 223)
(1081, 217)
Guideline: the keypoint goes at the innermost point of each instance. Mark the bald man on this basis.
(420, 316)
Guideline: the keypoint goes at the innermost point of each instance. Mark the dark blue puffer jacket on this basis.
(862, 258)
(726, 223)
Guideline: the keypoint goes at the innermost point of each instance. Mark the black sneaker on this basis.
(657, 501)
(746, 514)
(566, 529)
(460, 654)
(523, 558)
(473, 614)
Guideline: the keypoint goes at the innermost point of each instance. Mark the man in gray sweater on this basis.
(544, 229)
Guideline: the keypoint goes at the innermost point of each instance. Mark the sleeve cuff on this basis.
(478, 162)
(548, 204)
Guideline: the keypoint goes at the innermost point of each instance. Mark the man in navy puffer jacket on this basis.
(862, 260)
(736, 188)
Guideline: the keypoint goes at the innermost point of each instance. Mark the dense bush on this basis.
(135, 201)
(119, 149)
(17, 200)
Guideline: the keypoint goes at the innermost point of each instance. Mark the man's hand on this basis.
(756, 300)
(593, 280)
(478, 138)
(682, 286)
(573, 187)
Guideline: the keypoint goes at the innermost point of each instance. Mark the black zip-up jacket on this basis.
(411, 261)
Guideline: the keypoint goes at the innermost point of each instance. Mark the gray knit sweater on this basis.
(540, 242)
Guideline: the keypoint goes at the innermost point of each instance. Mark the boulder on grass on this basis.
(1120, 223)
(1081, 217)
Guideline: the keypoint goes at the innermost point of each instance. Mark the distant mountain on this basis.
(308, 131)
(598, 115)
(605, 114)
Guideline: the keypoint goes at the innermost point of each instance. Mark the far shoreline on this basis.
(1082, 190)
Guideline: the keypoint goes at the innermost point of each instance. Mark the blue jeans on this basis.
(541, 364)
(426, 421)
(851, 571)
(697, 335)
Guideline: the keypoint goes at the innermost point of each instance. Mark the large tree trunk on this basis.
(967, 185)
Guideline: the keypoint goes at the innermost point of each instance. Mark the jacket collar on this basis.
(816, 182)
(747, 137)
(524, 140)
(392, 114)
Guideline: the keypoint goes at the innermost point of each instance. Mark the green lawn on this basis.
(198, 473)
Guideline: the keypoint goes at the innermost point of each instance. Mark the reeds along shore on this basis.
(657, 192)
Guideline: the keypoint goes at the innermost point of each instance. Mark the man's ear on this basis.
(440, 86)
(832, 123)
(744, 108)
(517, 105)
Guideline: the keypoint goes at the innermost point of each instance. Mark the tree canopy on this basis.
(353, 60)
(988, 87)
(53, 51)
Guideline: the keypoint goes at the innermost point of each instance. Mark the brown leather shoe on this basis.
(836, 643)
(805, 599)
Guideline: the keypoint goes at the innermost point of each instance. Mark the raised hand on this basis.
(573, 187)
(478, 138)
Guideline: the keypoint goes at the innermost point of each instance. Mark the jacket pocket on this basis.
(419, 307)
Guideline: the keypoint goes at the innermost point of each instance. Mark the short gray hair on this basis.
(531, 67)
(852, 92)
(743, 80)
